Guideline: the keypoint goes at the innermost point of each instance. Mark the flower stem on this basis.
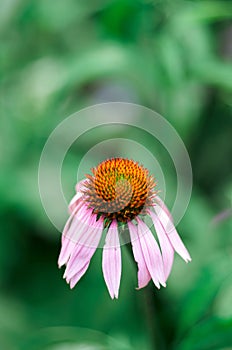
(151, 305)
(152, 319)
(151, 310)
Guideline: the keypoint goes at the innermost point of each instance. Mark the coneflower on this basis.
(119, 193)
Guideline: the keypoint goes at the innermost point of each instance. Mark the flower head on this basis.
(119, 193)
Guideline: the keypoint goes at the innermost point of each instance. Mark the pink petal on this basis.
(83, 256)
(172, 234)
(81, 185)
(81, 267)
(68, 223)
(84, 249)
(151, 254)
(66, 251)
(143, 273)
(70, 233)
(74, 202)
(68, 243)
(81, 222)
(73, 281)
(76, 199)
(162, 205)
(77, 215)
(111, 260)
(165, 245)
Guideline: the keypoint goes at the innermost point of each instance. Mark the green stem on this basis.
(151, 309)
(152, 319)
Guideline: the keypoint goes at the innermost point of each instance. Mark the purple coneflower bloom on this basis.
(119, 194)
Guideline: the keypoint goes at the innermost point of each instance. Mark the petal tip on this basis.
(111, 295)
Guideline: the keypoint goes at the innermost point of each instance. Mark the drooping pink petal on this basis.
(111, 260)
(160, 202)
(84, 239)
(81, 185)
(74, 202)
(77, 215)
(143, 274)
(70, 233)
(76, 199)
(66, 251)
(80, 223)
(84, 249)
(172, 234)
(73, 281)
(165, 245)
(68, 243)
(151, 254)
(81, 267)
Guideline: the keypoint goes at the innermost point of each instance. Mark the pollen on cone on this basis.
(119, 189)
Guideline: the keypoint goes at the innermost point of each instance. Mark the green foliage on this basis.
(57, 57)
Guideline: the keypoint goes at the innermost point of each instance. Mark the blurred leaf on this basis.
(215, 73)
(13, 322)
(198, 301)
(67, 13)
(171, 60)
(222, 304)
(212, 334)
(62, 338)
(207, 10)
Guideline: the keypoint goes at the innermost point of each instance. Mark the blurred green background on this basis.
(57, 57)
